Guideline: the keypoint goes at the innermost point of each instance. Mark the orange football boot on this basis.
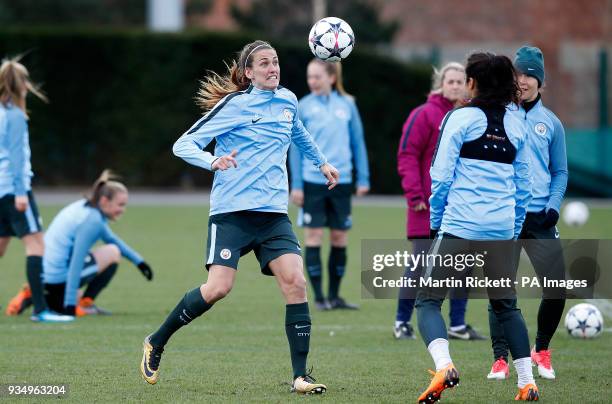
(446, 378)
(528, 393)
(20, 302)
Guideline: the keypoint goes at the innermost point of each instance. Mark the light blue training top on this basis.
(335, 125)
(72, 233)
(260, 125)
(546, 141)
(478, 199)
(15, 167)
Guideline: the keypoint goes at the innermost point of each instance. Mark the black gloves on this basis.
(146, 270)
(433, 234)
(551, 219)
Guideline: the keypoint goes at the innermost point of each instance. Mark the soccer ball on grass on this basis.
(584, 321)
(575, 214)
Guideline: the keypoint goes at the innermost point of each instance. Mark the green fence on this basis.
(589, 155)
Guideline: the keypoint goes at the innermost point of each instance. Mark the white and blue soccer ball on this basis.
(584, 321)
(575, 214)
(331, 39)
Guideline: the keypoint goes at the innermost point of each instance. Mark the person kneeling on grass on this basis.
(68, 262)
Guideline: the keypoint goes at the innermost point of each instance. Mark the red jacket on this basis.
(416, 148)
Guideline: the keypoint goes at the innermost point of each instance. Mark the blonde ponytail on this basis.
(106, 185)
(15, 83)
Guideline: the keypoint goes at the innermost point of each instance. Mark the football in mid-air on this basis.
(584, 321)
(331, 39)
(575, 213)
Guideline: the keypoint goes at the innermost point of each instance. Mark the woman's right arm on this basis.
(443, 164)
(224, 117)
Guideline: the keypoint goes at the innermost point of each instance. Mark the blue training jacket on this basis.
(546, 140)
(74, 230)
(15, 167)
(336, 127)
(472, 197)
(261, 125)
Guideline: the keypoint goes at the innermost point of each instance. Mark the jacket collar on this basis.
(527, 106)
(325, 98)
(254, 90)
(439, 100)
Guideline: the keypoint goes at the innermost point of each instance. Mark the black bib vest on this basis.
(494, 144)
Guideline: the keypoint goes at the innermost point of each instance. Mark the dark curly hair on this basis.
(496, 80)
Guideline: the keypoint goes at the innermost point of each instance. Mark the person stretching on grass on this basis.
(70, 262)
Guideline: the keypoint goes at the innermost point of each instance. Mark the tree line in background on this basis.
(73, 12)
(277, 19)
(120, 98)
(290, 19)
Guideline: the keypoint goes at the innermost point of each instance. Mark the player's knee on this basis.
(428, 303)
(34, 244)
(296, 284)
(338, 238)
(225, 289)
(218, 291)
(314, 237)
(114, 253)
(503, 307)
(299, 282)
(554, 295)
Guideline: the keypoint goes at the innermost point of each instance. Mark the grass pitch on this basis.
(238, 351)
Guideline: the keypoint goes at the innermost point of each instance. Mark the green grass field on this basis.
(238, 351)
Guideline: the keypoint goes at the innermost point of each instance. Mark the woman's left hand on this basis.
(331, 174)
(21, 203)
(419, 207)
(146, 270)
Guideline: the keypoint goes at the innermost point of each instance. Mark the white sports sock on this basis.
(398, 323)
(438, 349)
(457, 328)
(523, 370)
